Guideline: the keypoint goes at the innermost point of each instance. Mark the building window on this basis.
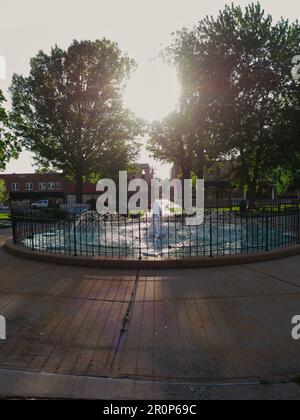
(58, 185)
(51, 185)
(42, 186)
(29, 186)
(15, 186)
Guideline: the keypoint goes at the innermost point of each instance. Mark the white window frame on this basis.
(29, 186)
(51, 186)
(15, 186)
(42, 186)
(58, 186)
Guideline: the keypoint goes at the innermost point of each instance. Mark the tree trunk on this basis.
(186, 174)
(252, 196)
(200, 173)
(78, 187)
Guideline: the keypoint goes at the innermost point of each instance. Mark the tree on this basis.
(285, 174)
(172, 141)
(69, 110)
(185, 136)
(4, 196)
(241, 64)
(9, 147)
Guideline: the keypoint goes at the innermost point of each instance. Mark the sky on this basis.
(141, 28)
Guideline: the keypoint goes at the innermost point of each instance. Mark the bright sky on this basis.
(140, 27)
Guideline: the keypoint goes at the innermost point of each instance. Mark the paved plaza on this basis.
(215, 333)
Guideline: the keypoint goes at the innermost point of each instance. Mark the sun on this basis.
(153, 91)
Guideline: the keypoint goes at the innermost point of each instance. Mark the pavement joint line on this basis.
(63, 297)
(207, 388)
(125, 321)
(225, 384)
(4, 293)
(205, 381)
(243, 382)
(216, 298)
(271, 276)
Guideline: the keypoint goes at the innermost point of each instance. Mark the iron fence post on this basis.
(74, 235)
(267, 231)
(14, 228)
(140, 239)
(298, 225)
(210, 236)
(32, 235)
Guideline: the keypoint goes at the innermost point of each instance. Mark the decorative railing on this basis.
(224, 231)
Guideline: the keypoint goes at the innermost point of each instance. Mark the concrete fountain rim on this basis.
(149, 263)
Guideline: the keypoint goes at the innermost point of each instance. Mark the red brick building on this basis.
(27, 188)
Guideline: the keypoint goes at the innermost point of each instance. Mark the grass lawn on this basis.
(4, 216)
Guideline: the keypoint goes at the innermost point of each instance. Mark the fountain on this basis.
(161, 232)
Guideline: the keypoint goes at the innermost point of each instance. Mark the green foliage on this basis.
(183, 138)
(235, 72)
(281, 178)
(9, 148)
(4, 216)
(4, 196)
(170, 141)
(44, 170)
(69, 111)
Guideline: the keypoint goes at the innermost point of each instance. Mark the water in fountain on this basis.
(162, 232)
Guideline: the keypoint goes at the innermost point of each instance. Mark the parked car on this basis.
(42, 204)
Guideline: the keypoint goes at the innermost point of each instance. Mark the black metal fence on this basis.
(225, 230)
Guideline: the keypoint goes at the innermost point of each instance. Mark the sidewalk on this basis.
(48, 386)
(149, 334)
